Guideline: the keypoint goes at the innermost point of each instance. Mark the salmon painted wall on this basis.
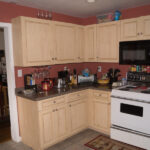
(9, 11)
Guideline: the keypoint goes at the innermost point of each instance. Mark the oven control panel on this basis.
(138, 76)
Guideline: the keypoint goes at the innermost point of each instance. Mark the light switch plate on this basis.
(99, 68)
(19, 73)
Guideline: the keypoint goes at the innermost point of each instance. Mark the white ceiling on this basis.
(80, 8)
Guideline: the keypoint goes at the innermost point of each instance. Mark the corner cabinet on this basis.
(32, 41)
(108, 35)
(90, 43)
(135, 29)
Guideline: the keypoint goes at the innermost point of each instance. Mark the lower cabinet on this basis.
(102, 116)
(53, 125)
(101, 111)
(47, 122)
(78, 115)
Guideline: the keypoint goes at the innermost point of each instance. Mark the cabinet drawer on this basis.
(48, 103)
(76, 96)
(101, 95)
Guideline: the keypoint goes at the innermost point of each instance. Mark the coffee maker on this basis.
(62, 79)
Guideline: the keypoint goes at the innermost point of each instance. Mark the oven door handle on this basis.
(130, 99)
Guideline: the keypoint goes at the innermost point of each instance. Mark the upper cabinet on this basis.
(135, 29)
(108, 35)
(79, 47)
(32, 41)
(90, 43)
(65, 39)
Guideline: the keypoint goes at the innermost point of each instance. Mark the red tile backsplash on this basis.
(78, 66)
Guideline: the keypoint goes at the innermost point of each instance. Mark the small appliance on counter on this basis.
(47, 84)
(63, 79)
(104, 79)
(86, 79)
(29, 82)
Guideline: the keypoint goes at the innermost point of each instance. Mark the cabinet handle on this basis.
(138, 33)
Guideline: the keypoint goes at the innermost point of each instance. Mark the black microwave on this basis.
(134, 52)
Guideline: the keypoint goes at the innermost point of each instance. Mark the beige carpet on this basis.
(105, 143)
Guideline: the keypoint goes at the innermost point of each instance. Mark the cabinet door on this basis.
(90, 43)
(78, 115)
(108, 42)
(60, 123)
(79, 43)
(38, 42)
(102, 115)
(65, 38)
(46, 124)
(145, 31)
(130, 29)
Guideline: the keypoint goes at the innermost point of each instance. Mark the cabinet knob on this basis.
(69, 105)
(52, 58)
(97, 57)
(141, 33)
(55, 58)
(54, 102)
(54, 110)
(138, 33)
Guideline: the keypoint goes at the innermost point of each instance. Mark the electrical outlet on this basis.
(99, 68)
(20, 73)
(65, 68)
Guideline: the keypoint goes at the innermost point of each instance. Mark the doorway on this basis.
(12, 102)
(5, 134)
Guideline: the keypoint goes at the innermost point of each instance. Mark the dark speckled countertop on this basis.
(41, 95)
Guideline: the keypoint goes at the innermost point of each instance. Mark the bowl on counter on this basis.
(103, 81)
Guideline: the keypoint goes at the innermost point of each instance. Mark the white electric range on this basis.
(130, 114)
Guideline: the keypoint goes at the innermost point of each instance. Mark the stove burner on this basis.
(125, 89)
(146, 91)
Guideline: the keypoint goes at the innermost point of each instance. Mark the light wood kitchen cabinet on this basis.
(90, 43)
(77, 111)
(52, 120)
(65, 42)
(79, 43)
(101, 111)
(108, 35)
(78, 115)
(135, 29)
(32, 41)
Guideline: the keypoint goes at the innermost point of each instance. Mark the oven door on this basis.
(130, 114)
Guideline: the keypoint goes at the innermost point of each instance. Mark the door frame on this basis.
(11, 81)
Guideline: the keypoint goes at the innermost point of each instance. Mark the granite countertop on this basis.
(41, 95)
